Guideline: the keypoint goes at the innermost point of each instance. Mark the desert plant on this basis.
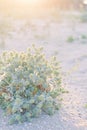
(83, 39)
(83, 36)
(83, 17)
(70, 39)
(85, 105)
(29, 84)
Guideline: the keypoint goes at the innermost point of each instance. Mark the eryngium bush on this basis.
(29, 84)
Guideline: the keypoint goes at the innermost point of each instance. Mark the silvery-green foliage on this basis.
(29, 84)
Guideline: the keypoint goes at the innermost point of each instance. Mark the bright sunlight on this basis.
(28, 1)
(85, 1)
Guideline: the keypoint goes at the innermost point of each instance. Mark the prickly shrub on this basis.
(29, 84)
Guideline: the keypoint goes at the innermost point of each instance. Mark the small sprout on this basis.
(70, 39)
(86, 106)
(83, 36)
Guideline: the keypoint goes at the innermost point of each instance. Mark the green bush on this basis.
(83, 36)
(29, 84)
(70, 39)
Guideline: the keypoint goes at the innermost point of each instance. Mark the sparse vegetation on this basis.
(30, 82)
(83, 17)
(85, 105)
(70, 39)
(83, 36)
(82, 39)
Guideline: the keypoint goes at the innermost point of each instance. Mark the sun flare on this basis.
(28, 1)
(85, 2)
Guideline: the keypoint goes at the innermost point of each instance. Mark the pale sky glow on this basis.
(28, 1)
(85, 1)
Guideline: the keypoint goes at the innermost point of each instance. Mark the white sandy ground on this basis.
(73, 58)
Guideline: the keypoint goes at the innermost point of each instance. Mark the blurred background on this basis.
(57, 25)
(46, 21)
(21, 7)
(50, 24)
